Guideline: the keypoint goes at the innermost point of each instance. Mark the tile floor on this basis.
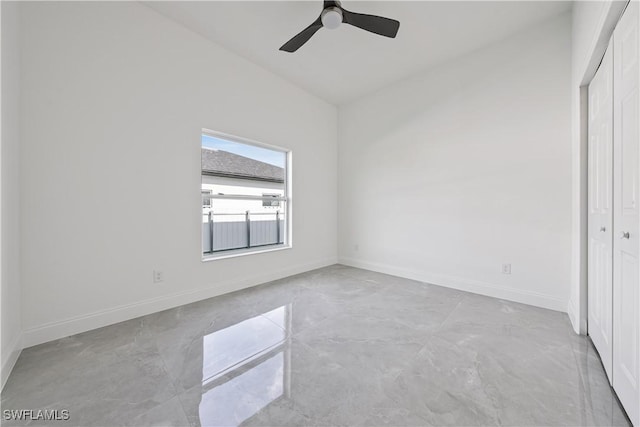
(335, 346)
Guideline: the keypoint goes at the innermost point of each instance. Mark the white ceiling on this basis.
(344, 64)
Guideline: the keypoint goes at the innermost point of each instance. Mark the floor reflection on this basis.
(245, 368)
(372, 350)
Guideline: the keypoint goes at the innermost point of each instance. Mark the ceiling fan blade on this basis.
(375, 24)
(302, 37)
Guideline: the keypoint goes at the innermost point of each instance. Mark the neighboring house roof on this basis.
(223, 163)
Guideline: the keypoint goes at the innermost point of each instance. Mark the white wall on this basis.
(446, 176)
(10, 332)
(114, 100)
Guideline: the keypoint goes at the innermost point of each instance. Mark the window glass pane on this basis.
(247, 184)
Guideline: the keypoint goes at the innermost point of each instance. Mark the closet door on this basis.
(626, 246)
(600, 217)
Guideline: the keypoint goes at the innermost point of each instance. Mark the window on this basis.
(245, 191)
(206, 200)
(271, 200)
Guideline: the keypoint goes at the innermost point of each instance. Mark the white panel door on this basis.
(600, 220)
(626, 242)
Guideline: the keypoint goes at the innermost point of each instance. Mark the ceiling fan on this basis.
(333, 14)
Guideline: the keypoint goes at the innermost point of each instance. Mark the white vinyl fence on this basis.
(228, 231)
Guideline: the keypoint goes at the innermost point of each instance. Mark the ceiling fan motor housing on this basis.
(331, 17)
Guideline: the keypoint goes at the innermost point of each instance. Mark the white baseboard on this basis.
(573, 316)
(55, 330)
(579, 325)
(9, 361)
(473, 286)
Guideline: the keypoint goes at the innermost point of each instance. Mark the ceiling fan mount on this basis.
(333, 14)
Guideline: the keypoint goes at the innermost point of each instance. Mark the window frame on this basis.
(287, 199)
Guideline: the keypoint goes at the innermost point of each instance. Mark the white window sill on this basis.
(242, 252)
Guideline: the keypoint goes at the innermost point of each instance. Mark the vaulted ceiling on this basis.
(343, 64)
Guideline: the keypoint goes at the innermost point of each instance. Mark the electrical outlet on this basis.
(506, 268)
(158, 276)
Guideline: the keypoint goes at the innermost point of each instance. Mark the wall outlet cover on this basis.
(158, 276)
(506, 268)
